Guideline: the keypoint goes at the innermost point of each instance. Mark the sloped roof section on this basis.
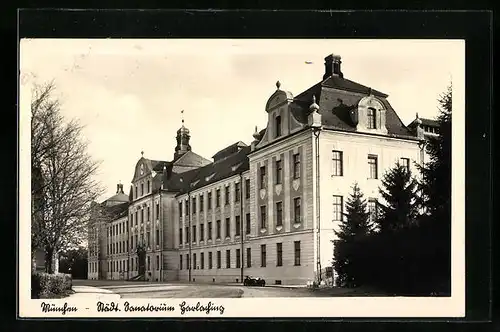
(231, 165)
(191, 159)
(425, 122)
(228, 151)
(114, 212)
(336, 97)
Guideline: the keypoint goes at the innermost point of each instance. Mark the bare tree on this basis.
(63, 184)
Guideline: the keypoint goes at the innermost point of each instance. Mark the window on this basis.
(263, 255)
(210, 230)
(296, 246)
(372, 209)
(238, 258)
(237, 192)
(262, 177)
(149, 263)
(249, 257)
(194, 233)
(371, 119)
(217, 198)
(142, 215)
(157, 237)
(180, 210)
(279, 214)
(337, 161)
(188, 266)
(202, 261)
(405, 162)
(210, 260)
(278, 126)
(228, 225)
(296, 210)
(202, 232)
(279, 254)
(372, 164)
(136, 217)
(228, 259)
(193, 206)
(247, 227)
(157, 262)
(279, 171)
(238, 226)
(148, 238)
(194, 261)
(247, 188)
(263, 221)
(187, 234)
(337, 208)
(209, 201)
(226, 195)
(136, 192)
(296, 166)
(157, 211)
(148, 186)
(180, 235)
(202, 202)
(218, 260)
(218, 229)
(149, 213)
(186, 208)
(142, 189)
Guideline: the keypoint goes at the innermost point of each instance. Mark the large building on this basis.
(268, 208)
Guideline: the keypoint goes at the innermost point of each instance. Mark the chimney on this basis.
(119, 188)
(332, 66)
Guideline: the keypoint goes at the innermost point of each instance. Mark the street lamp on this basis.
(314, 121)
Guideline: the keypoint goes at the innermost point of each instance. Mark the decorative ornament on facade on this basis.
(278, 189)
(296, 184)
(262, 193)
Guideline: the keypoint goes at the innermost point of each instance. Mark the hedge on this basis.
(45, 285)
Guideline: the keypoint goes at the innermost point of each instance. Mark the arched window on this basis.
(371, 117)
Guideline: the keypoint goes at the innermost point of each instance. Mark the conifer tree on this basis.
(355, 225)
(435, 189)
(399, 191)
(435, 184)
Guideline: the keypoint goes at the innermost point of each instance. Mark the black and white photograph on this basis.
(227, 173)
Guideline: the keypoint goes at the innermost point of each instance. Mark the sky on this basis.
(129, 93)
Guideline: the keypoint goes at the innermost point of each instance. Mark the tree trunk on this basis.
(49, 255)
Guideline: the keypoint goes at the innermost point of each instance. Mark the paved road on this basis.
(179, 290)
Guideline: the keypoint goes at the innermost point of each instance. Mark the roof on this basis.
(120, 197)
(425, 122)
(232, 164)
(115, 211)
(335, 105)
(191, 159)
(226, 152)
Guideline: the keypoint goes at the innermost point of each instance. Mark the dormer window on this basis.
(371, 117)
(277, 129)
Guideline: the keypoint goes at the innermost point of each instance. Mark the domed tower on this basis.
(182, 141)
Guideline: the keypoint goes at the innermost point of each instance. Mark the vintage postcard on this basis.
(223, 177)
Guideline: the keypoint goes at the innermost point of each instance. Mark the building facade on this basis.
(269, 208)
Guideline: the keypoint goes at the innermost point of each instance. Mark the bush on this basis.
(45, 285)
